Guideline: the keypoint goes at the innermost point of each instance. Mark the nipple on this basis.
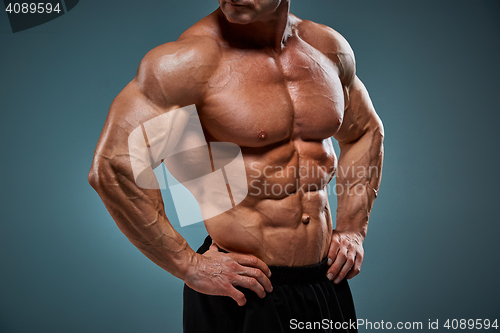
(306, 219)
(262, 135)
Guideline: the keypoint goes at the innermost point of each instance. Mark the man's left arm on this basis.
(358, 178)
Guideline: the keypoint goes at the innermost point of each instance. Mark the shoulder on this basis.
(332, 44)
(323, 37)
(175, 72)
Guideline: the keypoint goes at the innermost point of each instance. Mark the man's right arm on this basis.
(139, 211)
(170, 76)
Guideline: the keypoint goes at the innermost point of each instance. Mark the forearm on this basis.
(139, 213)
(358, 179)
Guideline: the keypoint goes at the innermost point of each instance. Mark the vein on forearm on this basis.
(357, 161)
(140, 212)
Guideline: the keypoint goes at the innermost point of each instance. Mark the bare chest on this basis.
(256, 99)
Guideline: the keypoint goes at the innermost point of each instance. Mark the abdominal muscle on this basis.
(285, 220)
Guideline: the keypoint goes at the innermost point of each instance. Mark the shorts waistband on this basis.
(288, 275)
(300, 274)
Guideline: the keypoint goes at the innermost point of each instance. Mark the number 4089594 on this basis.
(32, 8)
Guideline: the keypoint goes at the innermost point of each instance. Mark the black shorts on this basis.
(302, 297)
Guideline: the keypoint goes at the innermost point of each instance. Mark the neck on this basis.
(270, 31)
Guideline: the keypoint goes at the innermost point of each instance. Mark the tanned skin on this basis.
(280, 88)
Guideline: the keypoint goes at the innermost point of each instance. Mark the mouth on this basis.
(237, 4)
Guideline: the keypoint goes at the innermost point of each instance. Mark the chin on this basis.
(239, 19)
(236, 17)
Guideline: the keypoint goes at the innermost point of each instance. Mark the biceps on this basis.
(360, 117)
(128, 111)
(132, 111)
(138, 134)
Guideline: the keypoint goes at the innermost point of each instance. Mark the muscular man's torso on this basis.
(282, 110)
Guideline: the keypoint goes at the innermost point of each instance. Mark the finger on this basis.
(349, 263)
(259, 276)
(337, 264)
(334, 249)
(250, 283)
(357, 266)
(237, 295)
(251, 261)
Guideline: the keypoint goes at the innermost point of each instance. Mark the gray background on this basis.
(432, 70)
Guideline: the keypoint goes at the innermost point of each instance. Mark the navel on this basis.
(306, 219)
